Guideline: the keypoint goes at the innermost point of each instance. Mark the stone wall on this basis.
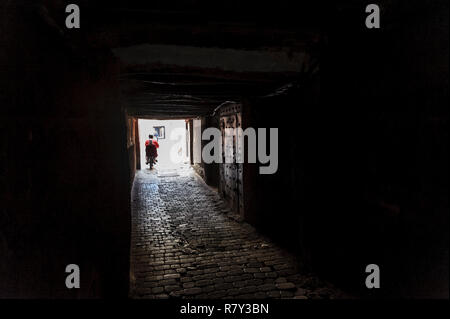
(209, 172)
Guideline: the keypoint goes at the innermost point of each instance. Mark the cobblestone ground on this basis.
(186, 244)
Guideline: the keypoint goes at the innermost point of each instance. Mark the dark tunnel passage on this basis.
(362, 174)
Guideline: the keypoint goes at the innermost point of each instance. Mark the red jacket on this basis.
(153, 141)
(150, 148)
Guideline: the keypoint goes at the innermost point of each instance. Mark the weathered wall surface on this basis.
(196, 155)
(230, 171)
(132, 146)
(63, 164)
(208, 171)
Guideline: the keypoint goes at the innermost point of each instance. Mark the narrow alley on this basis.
(298, 151)
(186, 243)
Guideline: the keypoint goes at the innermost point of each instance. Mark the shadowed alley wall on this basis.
(64, 180)
(364, 164)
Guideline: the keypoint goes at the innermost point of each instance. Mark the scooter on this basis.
(151, 161)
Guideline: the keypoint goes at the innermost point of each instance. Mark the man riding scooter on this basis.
(151, 152)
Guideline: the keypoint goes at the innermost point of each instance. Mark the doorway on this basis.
(171, 137)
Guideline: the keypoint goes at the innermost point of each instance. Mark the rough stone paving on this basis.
(186, 244)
